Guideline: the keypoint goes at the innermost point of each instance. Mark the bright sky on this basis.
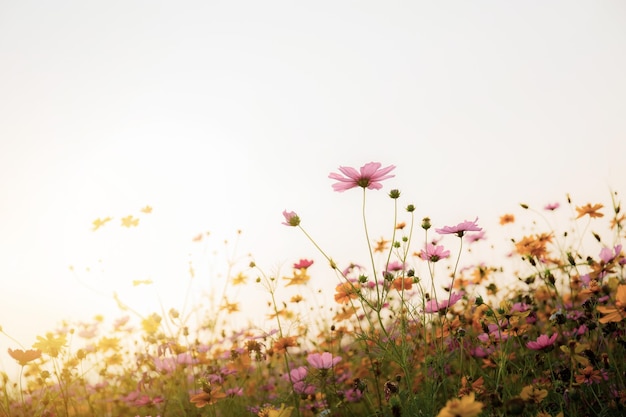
(220, 115)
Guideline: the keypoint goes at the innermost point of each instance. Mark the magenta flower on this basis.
(434, 253)
(551, 207)
(322, 360)
(370, 176)
(542, 342)
(460, 228)
(291, 218)
(303, 264)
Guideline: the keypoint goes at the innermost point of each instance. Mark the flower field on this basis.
(415, 330)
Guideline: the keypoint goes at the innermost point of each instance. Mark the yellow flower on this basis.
(106, 343)
(299, 277)
(129, 221)
(466, 406)
(240, 279)
(275, 412)
(151, 323)
(533, 394)
(230, 307)
(50, 345)
(98, 223)
(296, 298)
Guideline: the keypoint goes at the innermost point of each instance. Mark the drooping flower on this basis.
(291, 218)
(466, 406)
(323, 360)
(369, 176)
(542, 342)
(434, 253)
(460, 228)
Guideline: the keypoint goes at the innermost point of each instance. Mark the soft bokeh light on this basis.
(220, 115)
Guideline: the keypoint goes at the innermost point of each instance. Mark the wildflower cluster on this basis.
(412, 331)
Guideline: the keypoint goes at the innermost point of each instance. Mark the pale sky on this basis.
(220, 115)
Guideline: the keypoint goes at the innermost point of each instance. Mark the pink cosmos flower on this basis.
(352, 268)
(551, 207)
(303, 264)
(395, 266)
(370, 176)
(434, 253)
(475, 237)
(291, 218)
(433, 306)
(542, 342)
(296, 374)
(607, 255)
(322, 360)
(460, 228)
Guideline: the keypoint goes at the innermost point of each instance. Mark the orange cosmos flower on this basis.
(617, 221)
(207, 397)
(24, 356)
(345, 292)
(534, 245)
(618, 312)
(592, 211)
(283, 343)
(401, 284)
(381, 245)
(507, 218)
